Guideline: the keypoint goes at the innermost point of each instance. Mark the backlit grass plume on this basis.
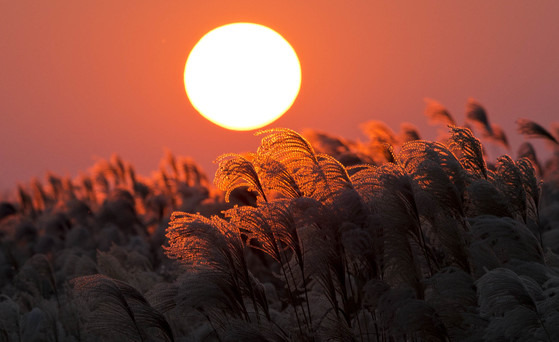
(476, 114)
(437, 113)
(530, 129)
(117, 308)
(312, 237)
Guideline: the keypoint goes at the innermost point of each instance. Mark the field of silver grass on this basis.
(311, 237)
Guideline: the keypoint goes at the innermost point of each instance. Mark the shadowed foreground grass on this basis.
(309, 238)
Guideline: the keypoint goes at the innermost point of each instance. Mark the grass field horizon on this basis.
(310, 237)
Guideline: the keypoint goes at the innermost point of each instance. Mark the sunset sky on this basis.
(81, 80)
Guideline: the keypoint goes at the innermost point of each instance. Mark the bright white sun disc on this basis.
(242, 76)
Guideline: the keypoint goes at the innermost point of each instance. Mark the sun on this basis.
(242, 76)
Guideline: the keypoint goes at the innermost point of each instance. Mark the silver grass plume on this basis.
(364, 177)
(41, 198)
(236, 171)
(404, 317)
(216, 248)
(171, 161)
(37, 278)
(509, 179)
(296, 154)
(437, 113)
(476, 114)
(381, 140)
(276, 178)
(469, 151)
(451, 292)
(198, 241)
(437, 171)
(442, 185)
(484, 198)
(118, 168)
(379, 133)
(26, 205)
(10, 321)
(526, 150)
(335, 172)
(326, 143)
(193, 174)
(317, 176)
(117, 308)
(517, 307)
(272, 228)
(56, 186)
(408, 132)
(506, 238)
(399, 221)
(531, 129)
(532, 188)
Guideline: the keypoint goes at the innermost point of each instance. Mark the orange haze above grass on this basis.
(83, 80)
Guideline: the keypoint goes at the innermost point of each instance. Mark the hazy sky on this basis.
(83, 80)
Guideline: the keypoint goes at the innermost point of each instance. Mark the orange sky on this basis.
(82, 80)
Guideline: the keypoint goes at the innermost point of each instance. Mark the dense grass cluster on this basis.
(310, 238)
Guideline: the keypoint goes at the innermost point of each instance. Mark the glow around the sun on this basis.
(242, 76)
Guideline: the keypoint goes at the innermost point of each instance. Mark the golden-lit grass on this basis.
(310, 237)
